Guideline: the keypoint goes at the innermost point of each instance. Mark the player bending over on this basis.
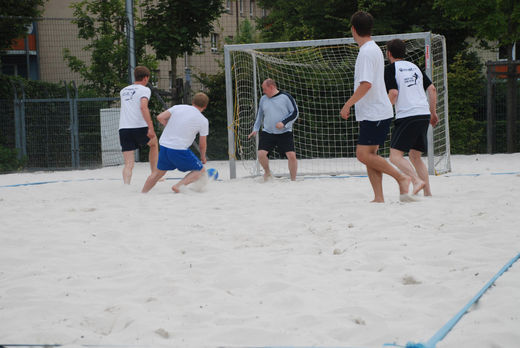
(182, 124)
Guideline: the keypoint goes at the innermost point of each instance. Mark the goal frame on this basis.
(426, 36)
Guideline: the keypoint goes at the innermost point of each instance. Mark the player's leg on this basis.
(153, 155)
(185, 161)
(293, 164)
(266, 144)
(129, 158)
(263, 159)
(407, 135)
(152, 179)
(188, 179)
(128, 147)
(285, 143)
(421, 169)
(373, 134)
(376, 181)
(397, 158)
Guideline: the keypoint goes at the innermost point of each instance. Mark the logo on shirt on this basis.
(128, 95)
(411, 81)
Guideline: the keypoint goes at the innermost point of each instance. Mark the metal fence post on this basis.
(75, 124)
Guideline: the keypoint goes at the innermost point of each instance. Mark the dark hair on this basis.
(397, 48)
(363, 22)
(141, 72)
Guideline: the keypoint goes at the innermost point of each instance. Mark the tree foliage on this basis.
(102, 24)
(304, 19)
(173, 27)
(466, 83)
(15, 16)
(487, 19)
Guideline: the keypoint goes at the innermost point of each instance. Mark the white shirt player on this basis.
(131, 116)
(370, 65)
(411, 83)
(183, 126)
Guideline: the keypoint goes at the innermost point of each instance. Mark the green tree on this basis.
(493, 20)
(173, 27)
(466, 83)
(304, 19)
(102, 24)
(15, 16)
(246, 34)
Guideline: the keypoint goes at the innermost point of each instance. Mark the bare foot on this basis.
(404, 184)
(418, 186)
(175, 189)
(268, 177)
(378, 200)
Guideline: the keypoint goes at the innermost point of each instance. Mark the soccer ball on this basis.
(212, 173)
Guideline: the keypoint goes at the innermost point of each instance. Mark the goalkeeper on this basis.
(276, 114)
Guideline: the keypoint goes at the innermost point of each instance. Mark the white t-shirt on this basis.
(131, 115)
(182, 127)
(370, 67)
(410, 82)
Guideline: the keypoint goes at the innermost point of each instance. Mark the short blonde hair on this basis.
(200, 99)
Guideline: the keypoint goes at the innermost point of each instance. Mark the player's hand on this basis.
(151, 133)
(434, 119)
(203, 159)
(252, 134)
(280, 125)
(345, 112)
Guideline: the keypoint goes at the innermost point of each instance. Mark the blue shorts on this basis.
(374, 132)
(183, 160)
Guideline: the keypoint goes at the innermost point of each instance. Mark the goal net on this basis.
(319, 74)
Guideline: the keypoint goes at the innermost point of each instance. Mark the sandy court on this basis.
(85, 260)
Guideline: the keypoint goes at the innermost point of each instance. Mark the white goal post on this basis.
(319, 74)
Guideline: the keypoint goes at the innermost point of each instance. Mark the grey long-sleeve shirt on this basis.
(279, 108)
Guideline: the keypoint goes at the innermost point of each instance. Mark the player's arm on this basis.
(392, 95)
(258, 122)
(163, 117)
(203, 145)
(147, 117)
(432, 98)
(359, 93)
(293, 114)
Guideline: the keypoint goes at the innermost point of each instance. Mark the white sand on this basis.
(306, 263)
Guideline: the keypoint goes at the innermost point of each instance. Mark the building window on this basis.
(502, 52)
(214, 42)
(264, 13)
(228, 6)
(241, 2)
(251, 8)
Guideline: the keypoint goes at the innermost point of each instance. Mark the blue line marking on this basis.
(432, 342)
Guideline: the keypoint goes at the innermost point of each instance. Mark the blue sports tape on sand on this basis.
(432, 342)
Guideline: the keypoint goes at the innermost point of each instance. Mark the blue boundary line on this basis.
(439, 336)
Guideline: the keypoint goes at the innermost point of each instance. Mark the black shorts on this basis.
(410, 133)
(284, 142)
(132, 138)
(374, 132)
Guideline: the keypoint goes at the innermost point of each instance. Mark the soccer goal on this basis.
(319, 74)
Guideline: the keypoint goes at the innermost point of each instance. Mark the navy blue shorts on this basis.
(268, 142)
(410, 133)
(132, 138)
(183, 160)
(374, 132)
